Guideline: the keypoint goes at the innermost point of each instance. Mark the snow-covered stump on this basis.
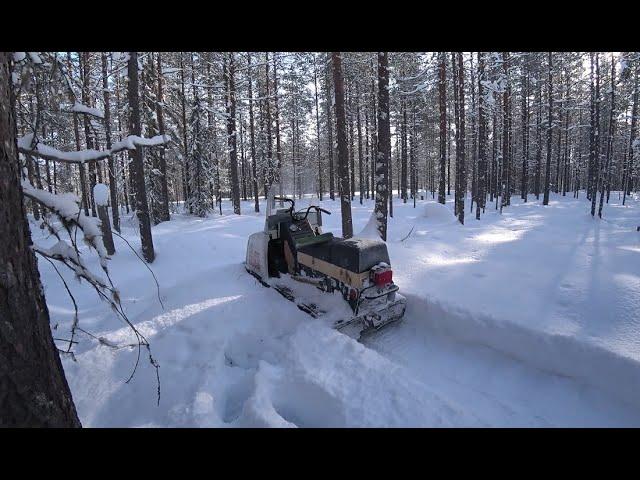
(101, 197)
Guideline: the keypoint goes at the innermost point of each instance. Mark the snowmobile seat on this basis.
(355, 254)
(314, 239)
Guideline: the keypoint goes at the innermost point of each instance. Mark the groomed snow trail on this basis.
(508, 323)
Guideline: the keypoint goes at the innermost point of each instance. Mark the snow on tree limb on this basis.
(80, 108)
(66, 207)
(82, 156)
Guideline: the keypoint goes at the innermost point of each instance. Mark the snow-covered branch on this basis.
(80, 108)
(82, 156)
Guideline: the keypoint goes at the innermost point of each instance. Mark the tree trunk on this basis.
(506, 136)
(442, 89)
(612, 129)
(343, 154)
(595, 132)
(164, 191)
(33, 388)
(84, 67)
(231, 132)
(628, 176)
(383, 145)
(186, 193)
(315, 85)
(524, 184)
(482, 139)
(276, 114)
(113, 184)
(359, 129)
(142, 207)
(461, 160)
(330, 134)
(403, 150)
(547, 173)
(252, 138)
(76, 132)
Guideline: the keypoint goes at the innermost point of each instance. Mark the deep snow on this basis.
(529, 318)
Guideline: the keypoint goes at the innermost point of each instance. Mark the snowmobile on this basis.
(293, 245)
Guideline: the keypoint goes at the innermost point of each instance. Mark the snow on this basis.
(80, 108)
(529, 318)
(101, 194)
(130, 142)
(35, 57)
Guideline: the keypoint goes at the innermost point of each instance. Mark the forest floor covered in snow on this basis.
(526, 318)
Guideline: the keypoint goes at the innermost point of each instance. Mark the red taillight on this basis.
(383, 278)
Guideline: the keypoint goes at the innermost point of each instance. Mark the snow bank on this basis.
(370, 230)
(563, 355)
(437, 214)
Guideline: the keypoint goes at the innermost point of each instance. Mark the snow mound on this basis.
(370, 230)
(438, 214)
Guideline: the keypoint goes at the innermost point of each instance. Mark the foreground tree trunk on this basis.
(33, 389)
(343, 154)
(137, 168)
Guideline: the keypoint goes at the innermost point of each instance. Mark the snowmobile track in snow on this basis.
(310, 308)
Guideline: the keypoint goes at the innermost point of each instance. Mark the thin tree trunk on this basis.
(330, 133)
(113, 184)
(359, 128)
(315, 85)
(164, 190)
(482, 139)
(461, 158)
(252, 138)
(547, 173)
(232, 135)
(442, 88)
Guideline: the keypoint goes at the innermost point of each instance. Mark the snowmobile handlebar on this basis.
(298, 215)
(306, 214)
